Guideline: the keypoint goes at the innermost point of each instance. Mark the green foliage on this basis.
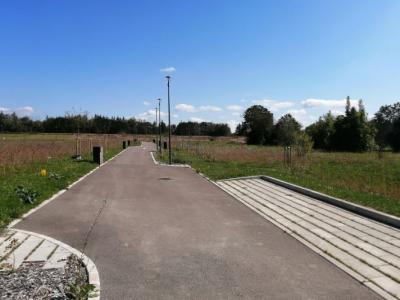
(321, 131)
(80, 291)
(349, 132)
(66, 170)
(387, 122)
(303, 144)
(26, 195)
(203, 128)
(257, 125)
(285, 130)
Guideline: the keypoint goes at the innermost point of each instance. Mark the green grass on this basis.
(28, 177)
(357, 177)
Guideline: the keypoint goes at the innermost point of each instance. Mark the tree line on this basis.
(349, 132)
(108, 125)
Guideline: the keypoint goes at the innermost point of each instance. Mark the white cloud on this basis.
(175, 116)
(147, 103)
(192, 109)
(20, 111)
(274, 105)
(168, 70)
(236, 113)
(199, 120)
(209, 108)
(149, 115)
(311, 102)
(302, 115)
(185, 107)
(234, 107)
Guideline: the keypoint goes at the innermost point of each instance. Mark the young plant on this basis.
(26, 195)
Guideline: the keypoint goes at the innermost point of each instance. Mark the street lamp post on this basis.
(169, 124)
(156, 129)
(159, 124)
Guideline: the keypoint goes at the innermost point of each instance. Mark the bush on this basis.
(25, 195)
(303, 144)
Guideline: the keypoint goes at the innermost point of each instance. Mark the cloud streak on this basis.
(168, 70)
(20, 111)
(192, 109)
(273, 105)
(311, 102)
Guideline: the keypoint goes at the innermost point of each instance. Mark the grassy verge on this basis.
(359, 178)
(60, 173)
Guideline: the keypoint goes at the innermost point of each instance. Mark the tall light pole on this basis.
(159, 123)
(169, 124)
(156, 128)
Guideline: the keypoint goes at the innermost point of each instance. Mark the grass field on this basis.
(362, 178)
(31, 154)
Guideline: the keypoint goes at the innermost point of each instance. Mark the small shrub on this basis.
(55, 176)
(26, 195)
(303, 144)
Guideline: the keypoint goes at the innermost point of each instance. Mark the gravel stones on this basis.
(31, 281)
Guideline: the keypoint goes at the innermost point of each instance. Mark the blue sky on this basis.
(106, 57)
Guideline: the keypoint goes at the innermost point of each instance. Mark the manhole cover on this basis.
(164, 178)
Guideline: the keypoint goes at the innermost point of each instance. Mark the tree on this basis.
(352, 132)
(258, 125)
(321, 131)
(285, 130)
(384, 121)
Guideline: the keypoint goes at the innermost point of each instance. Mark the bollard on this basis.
(165, 145)
(98, 154)
(123, 144)
(129, 143)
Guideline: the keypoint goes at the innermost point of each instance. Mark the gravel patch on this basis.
(30, 281)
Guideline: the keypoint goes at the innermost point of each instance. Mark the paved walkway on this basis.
(368, 249)
(159, 232)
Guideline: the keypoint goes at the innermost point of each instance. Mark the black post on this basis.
(98, 154)
(169, 124)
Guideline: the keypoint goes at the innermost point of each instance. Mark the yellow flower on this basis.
(43, 172)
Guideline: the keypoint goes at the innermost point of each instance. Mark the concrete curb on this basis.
(59, 193)
(356, 208)
(163, 164)
(93, 275)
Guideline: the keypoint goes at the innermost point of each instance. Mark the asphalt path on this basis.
(160, 232)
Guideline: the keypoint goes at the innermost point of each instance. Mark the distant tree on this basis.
(386, 122)
(352, 132)
(258, 125)
(285, 130)
(321, 131)
(203, 128)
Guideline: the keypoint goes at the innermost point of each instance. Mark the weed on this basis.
(26, 195)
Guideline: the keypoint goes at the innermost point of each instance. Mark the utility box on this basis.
(98, 155)
(123, 144)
